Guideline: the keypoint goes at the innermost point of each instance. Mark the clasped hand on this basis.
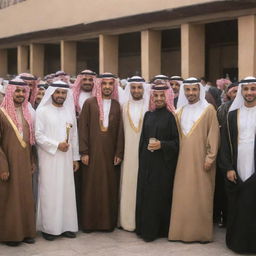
(154, 145)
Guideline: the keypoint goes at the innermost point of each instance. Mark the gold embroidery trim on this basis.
(22, 142)
(136, 129)
(102, 127)
(195, 124)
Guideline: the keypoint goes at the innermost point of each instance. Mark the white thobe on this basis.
(106, 110)
(190, 114)
(83, 97)
(56, 211)
(136, 111)
(130, 164)
(246, 140)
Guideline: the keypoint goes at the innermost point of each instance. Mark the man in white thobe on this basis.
(136, 101)
(57, 140)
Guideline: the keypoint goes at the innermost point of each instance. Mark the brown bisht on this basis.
(17, 211)
(100, 179)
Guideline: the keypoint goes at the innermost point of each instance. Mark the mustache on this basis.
(87, 84)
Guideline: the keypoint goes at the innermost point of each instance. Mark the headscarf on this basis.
(169, 97)
(231, 87)
(29, 77)
(160, 77)
(77, 86)
(61, 76)
(239, 99)
(222, 83)
(9, 107)
(182, 100)
(47, 99)
(98, 92)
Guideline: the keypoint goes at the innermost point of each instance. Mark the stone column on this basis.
(3, 62)
(68, 57)
(150, 53)
(22, 59)
(108, 47)
(247, 46)
(37, 59)
(192, 50)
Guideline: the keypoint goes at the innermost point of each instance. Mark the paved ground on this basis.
(118, 243)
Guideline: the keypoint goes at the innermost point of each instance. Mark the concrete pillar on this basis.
(22, 59)
(192, 50)
(3, 63)
(108, 53)
(150, 53)
(68, 57)
(247, 46)
(37, 59)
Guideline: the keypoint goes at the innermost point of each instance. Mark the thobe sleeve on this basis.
(4, 167)
(47, 144)
(74, 142)
(226, 162)
(171, 146)
(142, 135)
(84, 129)
(120, 138)
(212, 144)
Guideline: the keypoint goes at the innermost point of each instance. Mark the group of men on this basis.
(146, 157)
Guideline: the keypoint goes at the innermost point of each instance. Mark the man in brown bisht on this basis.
(17, 211)
(192, 205)
(101, 143)
(82, 88)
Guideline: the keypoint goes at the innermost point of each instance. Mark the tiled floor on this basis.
(118, 243)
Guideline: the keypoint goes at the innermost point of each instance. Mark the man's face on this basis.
(175, 86)
(19, 95)
(137, 90)
(107, 87)
(232, 94)
(87, 83)
(159, 99)
(59, 96)
(40, 95)
(249, 93)
(192, 93)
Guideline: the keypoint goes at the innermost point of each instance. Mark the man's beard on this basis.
(87, 87)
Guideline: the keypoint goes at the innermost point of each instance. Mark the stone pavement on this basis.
(118, 243)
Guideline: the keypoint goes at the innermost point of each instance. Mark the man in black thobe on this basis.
(158, 153)
(238, 160)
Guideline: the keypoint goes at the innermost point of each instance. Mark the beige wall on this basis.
(36, 15)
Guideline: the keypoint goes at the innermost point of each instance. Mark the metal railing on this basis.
(6, 3)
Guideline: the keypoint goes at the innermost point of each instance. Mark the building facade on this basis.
(147, 37)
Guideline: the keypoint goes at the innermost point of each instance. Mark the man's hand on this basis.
(33, 168)
(85, 159)
(231, 176)
(4, 176)
(207, 166)
(154, 145)
(63, 146)
(75, 166)
(117, 160)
